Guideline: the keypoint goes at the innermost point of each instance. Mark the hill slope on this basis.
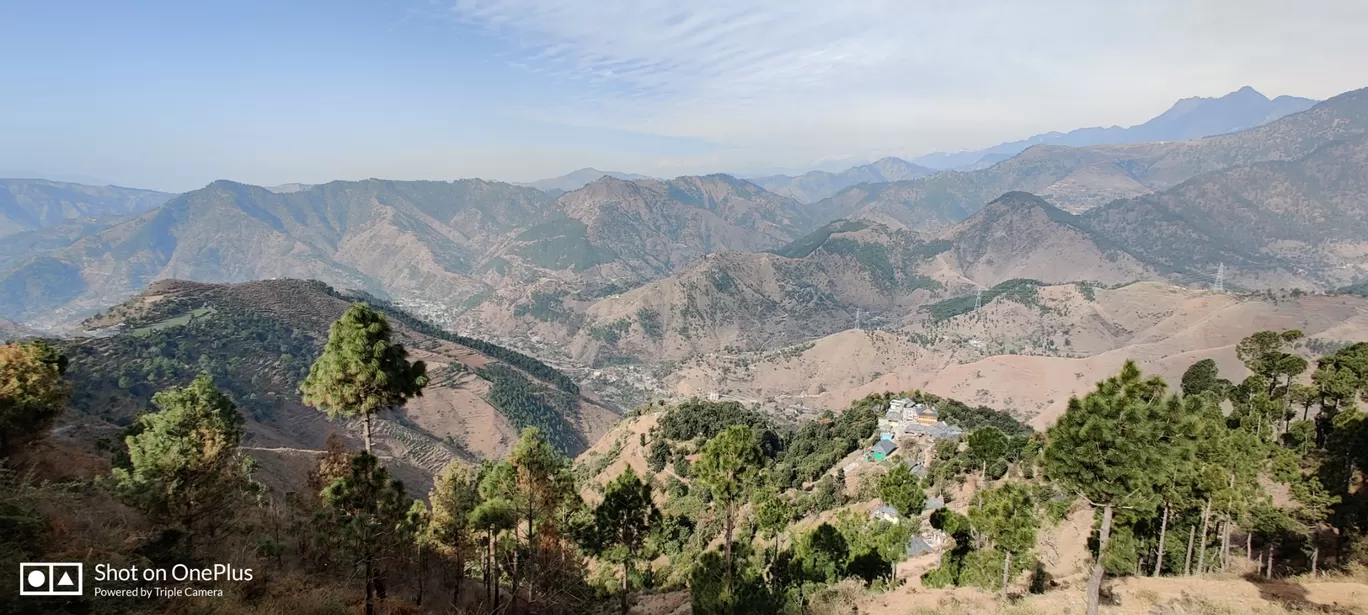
(31, 204)
(444, 246)
(349, 233)
(841, 274)
(1025, 352)
(1019, 235)
(652, 228)
(1298, 222)
(1077, 179)
(258, 339)
(814, 186)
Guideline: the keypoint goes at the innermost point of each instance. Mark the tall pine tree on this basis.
(1109, 448)
(362, 371)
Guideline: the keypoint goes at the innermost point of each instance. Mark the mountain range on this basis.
(1189, 118)
(440, 242)
(32, 204)
(1079, 178)
(817, 185)
(575, 180)
(621, 271)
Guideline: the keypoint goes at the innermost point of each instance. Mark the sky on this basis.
(172, 95)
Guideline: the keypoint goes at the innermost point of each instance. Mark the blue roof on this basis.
(917, 546)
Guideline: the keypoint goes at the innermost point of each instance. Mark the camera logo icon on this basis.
(50, 579)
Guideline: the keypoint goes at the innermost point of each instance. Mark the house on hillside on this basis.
(926, 542)
(918, 546)
(885, 513)
(940, 430)
(883, 449)
(890, 423)
(922, 414)
(933, 504)
(924, 420)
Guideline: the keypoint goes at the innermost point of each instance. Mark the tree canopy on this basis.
(32, 391)
(362, 370)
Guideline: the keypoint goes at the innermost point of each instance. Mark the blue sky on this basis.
(172, 95)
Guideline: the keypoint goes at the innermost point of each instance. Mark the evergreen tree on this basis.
(493, 517)
(659, 455)
(987, 446)
(32, 391)
(454, 497)
(623, 519)
(1263, 353)
(727, 465)
(1006, 517)
(537, 481)
(901, 489)
(369, 514)
(773, 513)
(362, 371)
(824, 552)
(184, 468)
(1109, 448)
(1202, 377)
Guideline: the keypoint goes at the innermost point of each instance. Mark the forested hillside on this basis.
(256, 340)
(711, 503)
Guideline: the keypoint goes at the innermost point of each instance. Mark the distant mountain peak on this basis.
(1019, 199)
(577, 179)
(814, 186)
(1189, 118)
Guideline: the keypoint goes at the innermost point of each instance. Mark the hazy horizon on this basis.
(172, 96)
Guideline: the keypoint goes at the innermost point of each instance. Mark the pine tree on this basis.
(32, 391)
(454, 497)
(536, 480)
(727, 465)
(1201, 377)
(362, 371)
(1108, 448)
(184, 468)
(1006, 517)
(773, 513)
(493, 517)
(987, 445)
(369, 514)
(901, 489)
(1263, 353)
(623, 519)
(824, 553)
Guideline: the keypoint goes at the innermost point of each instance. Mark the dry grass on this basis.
(951, 605)
(290, 595)
(1353, 573)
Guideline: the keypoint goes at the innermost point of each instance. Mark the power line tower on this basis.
(978, 299)
(858, 314)
(1220, 278)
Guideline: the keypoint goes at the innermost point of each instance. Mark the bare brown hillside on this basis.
(1027, 359)
(1020, 235)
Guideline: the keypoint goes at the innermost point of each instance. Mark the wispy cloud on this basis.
(864, 74)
